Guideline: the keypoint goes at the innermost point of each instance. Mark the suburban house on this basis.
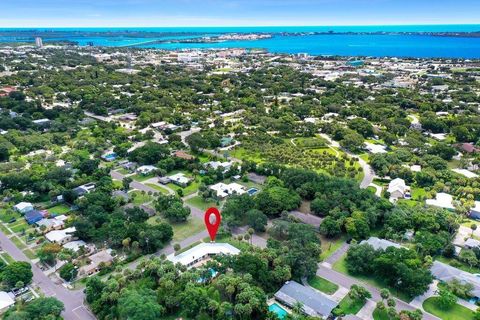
(201, 253)
(314, 303)
(398, 189)
(61, 236)
(51, 224)
(378, 243)
(6, 301)
(35, 216)
(146, 170)
(475, 211)
(129, 165)
(23, 207)
(76, 245)
(215, 165)
(471, 243)
(84, 189)
(180, 179)
(447, 273)
(223, 190)
(467, 147)
(442, 200)
(96, 260)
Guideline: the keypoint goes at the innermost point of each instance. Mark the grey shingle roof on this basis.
(314, 303)
(446, 273)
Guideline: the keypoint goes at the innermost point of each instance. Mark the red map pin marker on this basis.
(212, 221)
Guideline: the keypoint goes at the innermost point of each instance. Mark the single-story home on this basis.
(6, 301)
(23, 207)
(471, 243)
(223, 190)
(75, 245)
(180, 179)
(50, 224)
(84, 189)
(61, 236)
(96, 260)
(164, 180)
(475, 211)
(35, 216)
(466, 173)
(378, 243)
(314, 303)
(225, 166)
(202, 252)
(447, 273)
(398, 189)
(42, 122)
(147, 169)
(442, 200)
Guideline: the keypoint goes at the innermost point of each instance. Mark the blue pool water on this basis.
(376, 45)
(252, 191)
(279, 311)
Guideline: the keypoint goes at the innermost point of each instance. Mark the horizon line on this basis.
(249, 26)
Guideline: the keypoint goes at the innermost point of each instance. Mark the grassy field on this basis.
(117, 184)
(6, 215)
(181, 230)
(199, 203)
(19, 226)
(18, 243)
(341, 266)
(5, 230)
(30, 254)
(157, 187)
(141, 177)
(457, 312)
(7, 258)
(140, 198)
(188, 190)
(323, 285)
(59, 209)
(348, 306)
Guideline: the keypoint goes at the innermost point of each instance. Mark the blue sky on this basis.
(163, 13)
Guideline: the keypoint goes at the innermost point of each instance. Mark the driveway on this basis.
(307, 218)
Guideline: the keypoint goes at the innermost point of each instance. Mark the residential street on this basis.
(73, 300)
(346, 281)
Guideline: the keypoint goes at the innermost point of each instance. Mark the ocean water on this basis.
(398, 45)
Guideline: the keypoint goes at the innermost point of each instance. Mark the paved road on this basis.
(73, 300)
(337, 254)
(367, 169)
(347, 282)
(307, 218)
(134, 184)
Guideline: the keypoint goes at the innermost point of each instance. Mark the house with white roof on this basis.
(146, 170)
(398, 189)
(180, 179)
(378, 243)
(201, 253)
(61, 236)
(75, 245)
(46, 224)
(6, 301)
(225, 166)
(23, 207)
(442, 200)
(466, 173)
(475, 211)
(375, 148)
(223, 190)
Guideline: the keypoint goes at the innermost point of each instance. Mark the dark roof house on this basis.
(34, 216)
(314, 303)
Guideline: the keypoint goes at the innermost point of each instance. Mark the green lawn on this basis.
(59, 209)
(348, 306)
(181, 230)
(117, 184)
(380, 314)
(323, 285)
(5, 215)
(418, 193)
(329, 246)
(157, 187)
(18, 243)
(242, 153)
(199, 203)
(30, 254)
(341, 266)
(188, 190)
(141, 177)
(7, 258)
(19, 226)
(4, 229)
(140, 198)
(457, 312)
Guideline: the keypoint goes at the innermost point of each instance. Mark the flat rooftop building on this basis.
(202, 252)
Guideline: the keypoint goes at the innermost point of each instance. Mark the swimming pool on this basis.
(279, 311)
(252, 191)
